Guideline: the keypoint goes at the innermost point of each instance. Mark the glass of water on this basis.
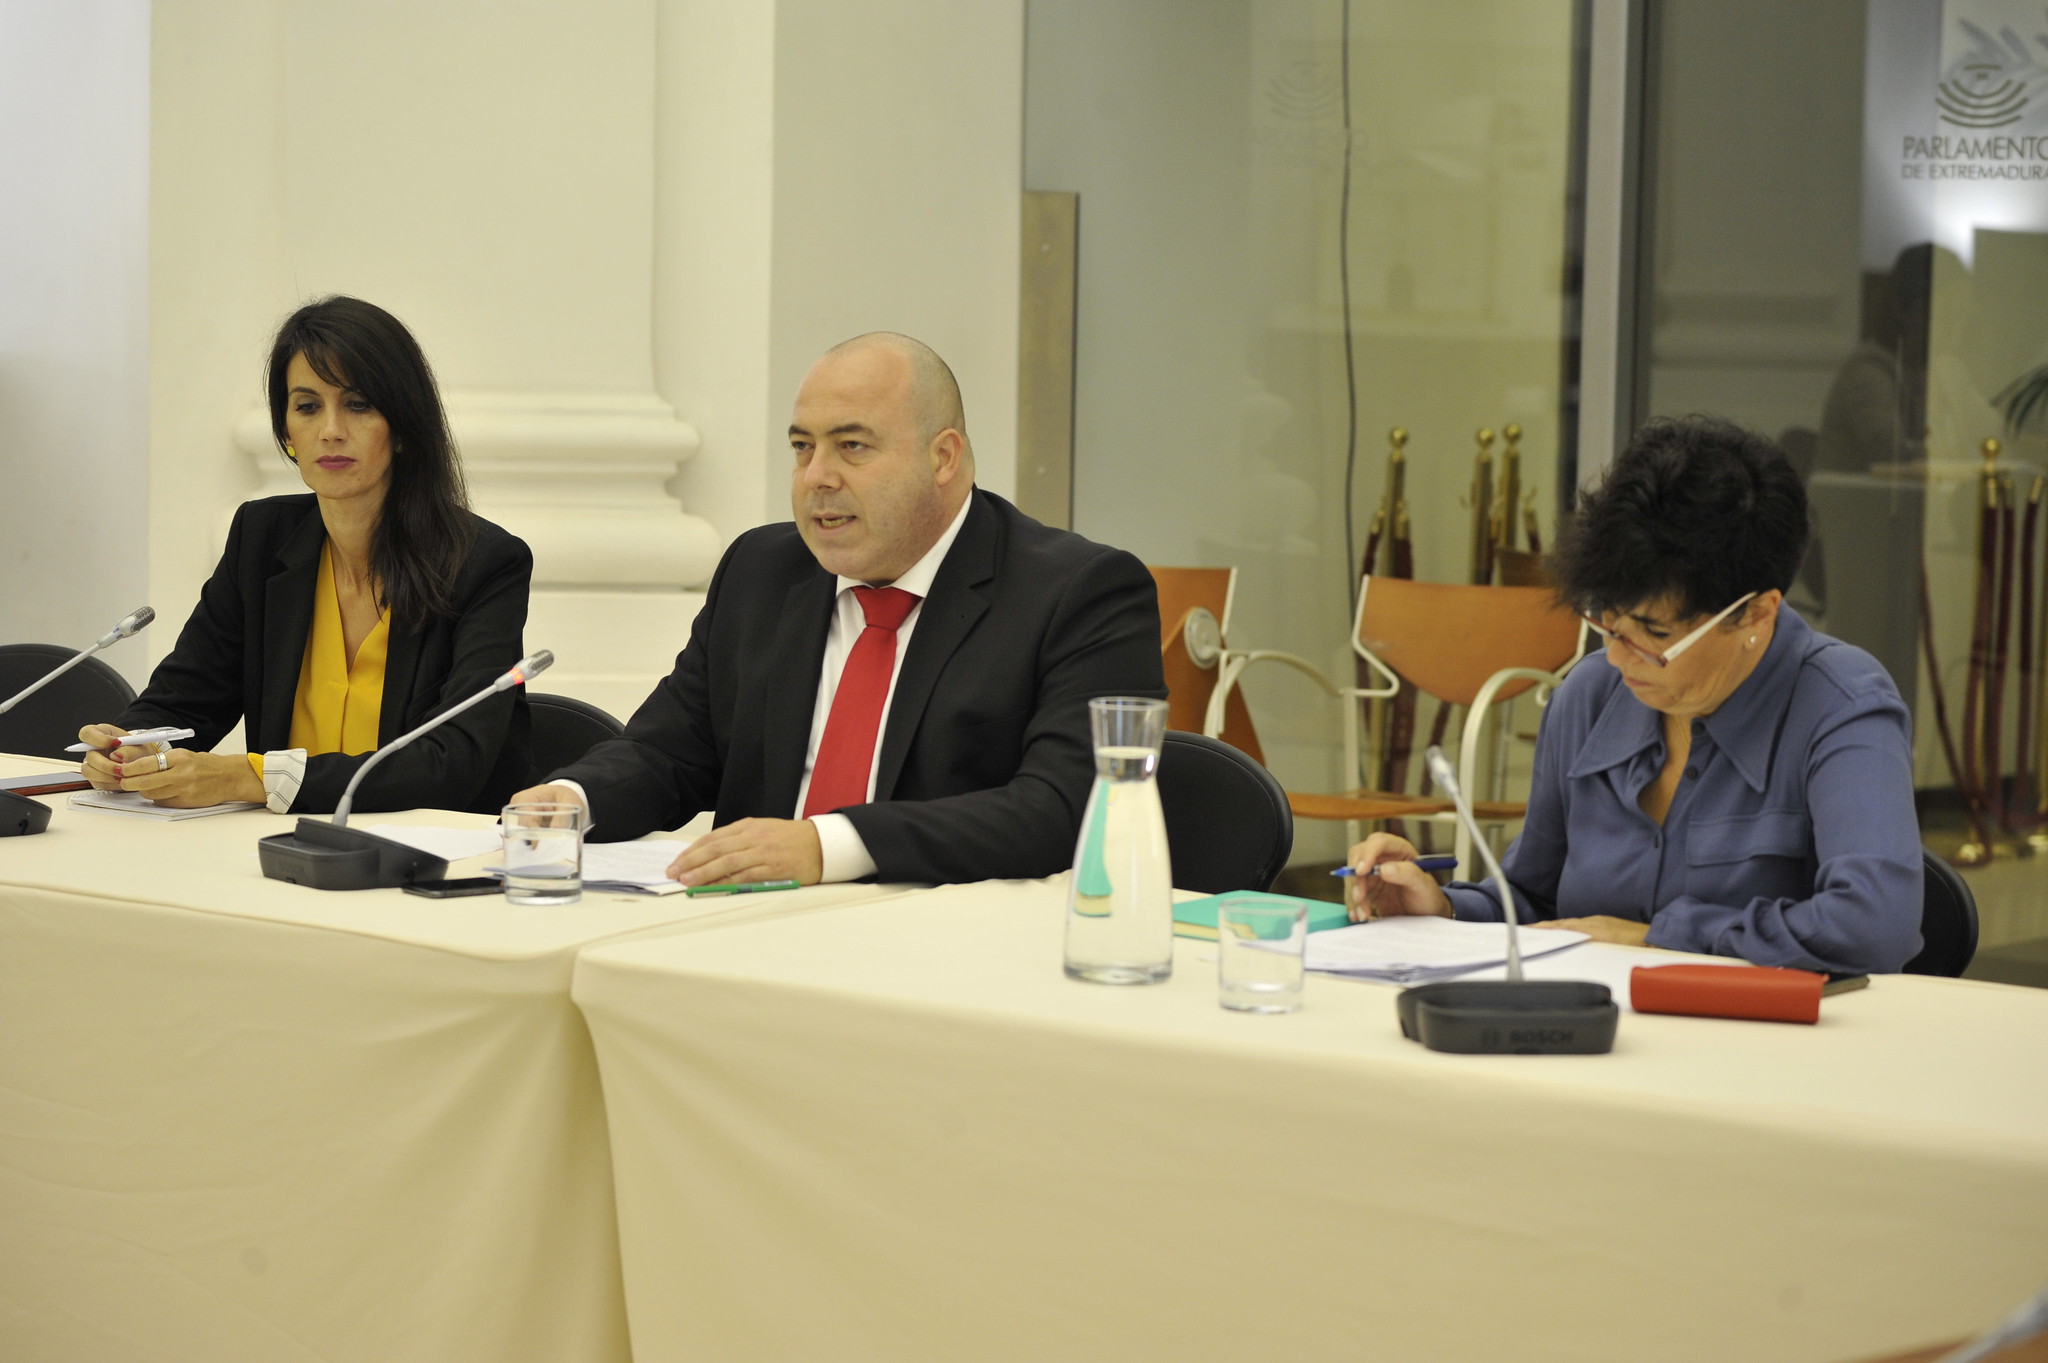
(543, 853)
(1259, 941)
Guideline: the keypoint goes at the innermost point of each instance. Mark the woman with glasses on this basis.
(1725, 779)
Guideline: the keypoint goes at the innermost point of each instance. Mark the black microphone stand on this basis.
(1512, 1016)
(19, 815)
(332, 856)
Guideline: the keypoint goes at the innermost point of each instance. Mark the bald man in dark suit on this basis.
(896, 685)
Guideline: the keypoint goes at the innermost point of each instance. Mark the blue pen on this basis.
(1431, 864)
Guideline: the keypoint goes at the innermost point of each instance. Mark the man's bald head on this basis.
(934, 391)
(882, 466)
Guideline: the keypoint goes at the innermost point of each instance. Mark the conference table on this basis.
(245, 1120)
(895, 1130)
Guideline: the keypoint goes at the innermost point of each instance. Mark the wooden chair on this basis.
(1194, 623)
(1470, 646)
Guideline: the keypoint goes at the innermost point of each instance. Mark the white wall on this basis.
(74, 130)
(898, 198)
(825, 169)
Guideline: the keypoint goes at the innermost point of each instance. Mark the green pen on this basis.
(751, 887)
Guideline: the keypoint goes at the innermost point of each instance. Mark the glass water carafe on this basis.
(1120, 897)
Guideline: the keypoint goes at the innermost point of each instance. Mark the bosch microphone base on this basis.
(20, 816)
(323, 857)
(1499, 1017)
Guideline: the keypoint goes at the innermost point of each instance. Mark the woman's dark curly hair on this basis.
(1696, 510)
(424, 532)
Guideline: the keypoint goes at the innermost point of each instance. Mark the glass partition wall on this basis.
(1846, 246)
(1303, 223)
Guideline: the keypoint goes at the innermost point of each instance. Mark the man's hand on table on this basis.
(753, 850)
(1601, 928)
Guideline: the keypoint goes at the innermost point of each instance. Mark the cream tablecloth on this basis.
(895, 1131)
(243, 1120)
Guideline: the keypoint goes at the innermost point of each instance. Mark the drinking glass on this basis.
(543, 853)
(1259, 942)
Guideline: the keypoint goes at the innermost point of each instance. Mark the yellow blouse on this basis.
(339, 702)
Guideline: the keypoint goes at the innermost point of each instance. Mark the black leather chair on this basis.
(1948, 921)
(1227, 822)
(48, 722)
(564, 729)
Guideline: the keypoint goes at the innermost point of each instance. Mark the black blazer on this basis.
(239, 655)
(986, 761)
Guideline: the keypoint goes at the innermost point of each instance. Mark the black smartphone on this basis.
(1842, 984)
(455, 889)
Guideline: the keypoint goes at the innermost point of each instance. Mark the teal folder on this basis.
(1197, 917)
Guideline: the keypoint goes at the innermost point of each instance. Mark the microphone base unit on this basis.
(1504, 1017)
(321, 856)
(21, 816)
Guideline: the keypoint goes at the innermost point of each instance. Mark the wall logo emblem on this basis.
(1981, 95)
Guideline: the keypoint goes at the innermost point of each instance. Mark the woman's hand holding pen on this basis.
(177, 777)
(102, 766)
(1385, 882)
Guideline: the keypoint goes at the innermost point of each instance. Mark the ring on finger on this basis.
(163, 760)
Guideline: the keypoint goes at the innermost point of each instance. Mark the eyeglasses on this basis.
(1664, 659)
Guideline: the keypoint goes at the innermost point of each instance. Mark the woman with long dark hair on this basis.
(340, 618)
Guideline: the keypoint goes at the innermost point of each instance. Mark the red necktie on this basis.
(846, 754)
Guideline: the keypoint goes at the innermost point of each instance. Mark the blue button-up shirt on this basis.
(1791, 840)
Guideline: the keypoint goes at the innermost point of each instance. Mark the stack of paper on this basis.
(1411, 950)
(131, 802)
(626, 867)
(449, 844)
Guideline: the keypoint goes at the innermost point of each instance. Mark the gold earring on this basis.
(290, 453)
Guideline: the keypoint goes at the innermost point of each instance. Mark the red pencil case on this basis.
(1765, 993)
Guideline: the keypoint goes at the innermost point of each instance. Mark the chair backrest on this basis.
(1446, 639)
(564, 729)
(1227, 822)
(49, 721)
(1520, 568)
(1183, 589)
(1948, 921)
(1189, 684)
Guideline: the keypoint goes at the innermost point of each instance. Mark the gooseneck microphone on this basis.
(1447, 781)
(333, 856)
(129, 624)
(1512, 1016)
(530, 666)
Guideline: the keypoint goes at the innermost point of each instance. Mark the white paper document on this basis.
(1601, 963)
(1411, 950)
(626, 867)
(449, 844)
(138, 805)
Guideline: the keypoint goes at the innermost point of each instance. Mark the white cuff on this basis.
(582, 798)
(841, 852)
(284, 771)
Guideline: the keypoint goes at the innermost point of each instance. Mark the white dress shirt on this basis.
(845, 856)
